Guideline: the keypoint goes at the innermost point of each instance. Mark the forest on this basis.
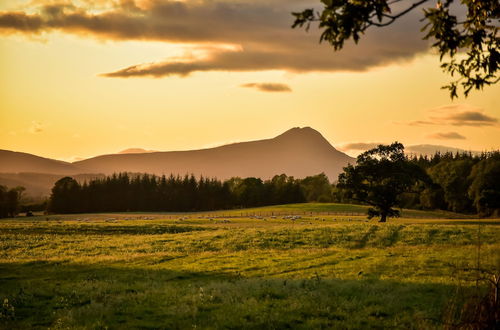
(145, 192)
(459, 182)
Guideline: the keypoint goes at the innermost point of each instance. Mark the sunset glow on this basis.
(83, 78)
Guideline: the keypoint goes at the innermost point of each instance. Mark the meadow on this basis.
(292, 266)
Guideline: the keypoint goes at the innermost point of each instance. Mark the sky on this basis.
(80, 78)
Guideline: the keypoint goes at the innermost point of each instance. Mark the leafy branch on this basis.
(468, 49)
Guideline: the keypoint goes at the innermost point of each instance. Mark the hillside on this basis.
(298, 152)
(17, 162)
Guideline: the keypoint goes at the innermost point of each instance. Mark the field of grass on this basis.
(336, 209)
(208, 271)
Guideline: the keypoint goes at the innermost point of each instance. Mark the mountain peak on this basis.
(300, 132)
(305, 136)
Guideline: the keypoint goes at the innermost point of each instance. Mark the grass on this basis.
(204, 271)
(335, 209)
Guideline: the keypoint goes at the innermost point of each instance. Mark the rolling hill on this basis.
(17, 162)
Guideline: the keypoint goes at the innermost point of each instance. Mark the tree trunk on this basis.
(383, 217)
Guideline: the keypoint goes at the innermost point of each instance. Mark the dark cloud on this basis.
(259, 31)
(360, 146)
(268, 87)
(446, 136)
(470, 118)
(18, 21)
(457, 115)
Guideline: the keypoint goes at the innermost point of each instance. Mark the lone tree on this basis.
(476, 33)
(380, 177)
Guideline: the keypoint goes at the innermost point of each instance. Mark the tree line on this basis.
(460, 182)
(384, 178)
(144, 192)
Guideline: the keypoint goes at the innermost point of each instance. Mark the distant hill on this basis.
(418, 149)
(431, 149)
(298, 152)
(135, 151)
(16, 162)
(39, 185)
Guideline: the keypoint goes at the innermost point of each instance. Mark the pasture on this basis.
(239, 269)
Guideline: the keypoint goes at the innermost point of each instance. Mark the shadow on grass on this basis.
(366, 237)
(467, 222)
(47, 294)
(392, 237)
(102, 229)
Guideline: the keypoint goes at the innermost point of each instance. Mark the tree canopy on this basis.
(485, 186)
(133, 192)
(9, 201)
(380, 176)
(474, 34)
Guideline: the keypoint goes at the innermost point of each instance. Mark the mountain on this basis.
(298, 152)
(16, 162)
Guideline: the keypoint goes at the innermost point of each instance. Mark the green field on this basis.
(239, 269)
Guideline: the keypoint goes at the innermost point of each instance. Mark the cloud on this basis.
(17, 21)
(470, 118)
(446, 136)
(359, 146)
(259, 30)
(419, 123)
(268, 87)
(457, 115)
(36, 127)
(453, 108)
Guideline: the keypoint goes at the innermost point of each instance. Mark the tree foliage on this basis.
(484, 189)
(451, 176)
(379, 178)
(65, 195)
(9, 201)
(317, 188)
(126, 192)
(460, 182)
(475, 35)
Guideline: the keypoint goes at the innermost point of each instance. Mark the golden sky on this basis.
(82, 78)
